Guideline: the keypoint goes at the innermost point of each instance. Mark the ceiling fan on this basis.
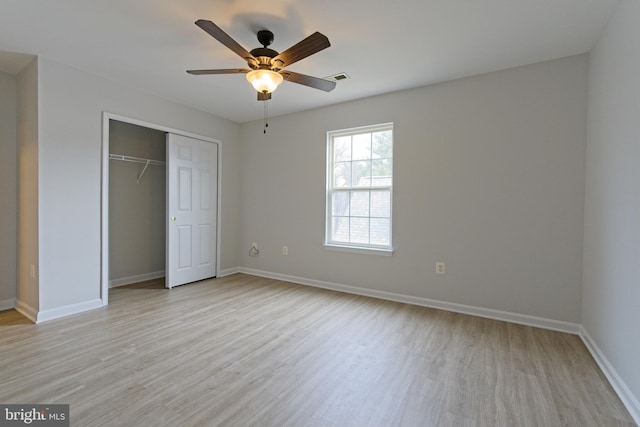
(266, 66)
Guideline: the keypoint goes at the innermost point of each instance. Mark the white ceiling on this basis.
(382, 45)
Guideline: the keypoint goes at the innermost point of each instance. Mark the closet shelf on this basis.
(132, 159)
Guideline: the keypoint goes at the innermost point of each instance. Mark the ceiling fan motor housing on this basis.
(264, 55)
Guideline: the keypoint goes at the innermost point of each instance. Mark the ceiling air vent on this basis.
(338, 77)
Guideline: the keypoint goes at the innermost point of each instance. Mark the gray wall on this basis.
(489, 178)
(8, 189)
(611, 285)
(71, 104)
(136, 209)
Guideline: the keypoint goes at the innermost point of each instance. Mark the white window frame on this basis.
(355, 247)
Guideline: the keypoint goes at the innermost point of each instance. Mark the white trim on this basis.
(626, 396)
(228, 272)
(27, 311)
(7, 304)
(358, 250)
(506, 316)
(360, 129)
(330, 190)
(114, 283)
(68, 310)
(104, 212)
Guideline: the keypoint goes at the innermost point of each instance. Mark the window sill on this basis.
(358, 249)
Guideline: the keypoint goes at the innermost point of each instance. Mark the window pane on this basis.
(362, 146)
(342, 149)
(382, 145)
(359, 232)
(361, 174)
(342, 175)
(340, 203)
(340, 229)
(381, 171)
(381, 204)
(380, 231)
(360, 203)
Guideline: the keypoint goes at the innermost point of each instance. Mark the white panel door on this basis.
(192, 186)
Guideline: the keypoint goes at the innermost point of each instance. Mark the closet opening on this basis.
(137, 200)
(161, 193)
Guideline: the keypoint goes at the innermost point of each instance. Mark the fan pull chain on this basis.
(266, 116)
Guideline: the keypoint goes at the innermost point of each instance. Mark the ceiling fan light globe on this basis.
(264, 81)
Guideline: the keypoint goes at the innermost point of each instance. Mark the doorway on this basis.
(134, 210)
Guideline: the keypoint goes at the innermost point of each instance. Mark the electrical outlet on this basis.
(440, 267)
(285, 250)
(254, 249)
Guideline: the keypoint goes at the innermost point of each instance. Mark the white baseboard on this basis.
(27, 311)
(7, 304)
(68, 310)
(522, 319)
(135, 279)
(228, 272)
(628, 399)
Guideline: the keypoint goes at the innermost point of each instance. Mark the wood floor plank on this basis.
(249, 351)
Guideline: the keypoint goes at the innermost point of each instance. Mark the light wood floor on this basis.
(248, 351)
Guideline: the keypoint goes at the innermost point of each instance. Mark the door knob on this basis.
(173, 218)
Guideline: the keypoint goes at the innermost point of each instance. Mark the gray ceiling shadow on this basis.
(287, 30)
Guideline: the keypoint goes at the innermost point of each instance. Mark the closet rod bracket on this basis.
(146, 165)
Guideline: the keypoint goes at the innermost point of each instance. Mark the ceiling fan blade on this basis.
(220, 71)
(216, 32)
(303, 79)
(312, 44)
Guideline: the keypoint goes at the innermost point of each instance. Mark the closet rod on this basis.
(135, 159)
(132, 159)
